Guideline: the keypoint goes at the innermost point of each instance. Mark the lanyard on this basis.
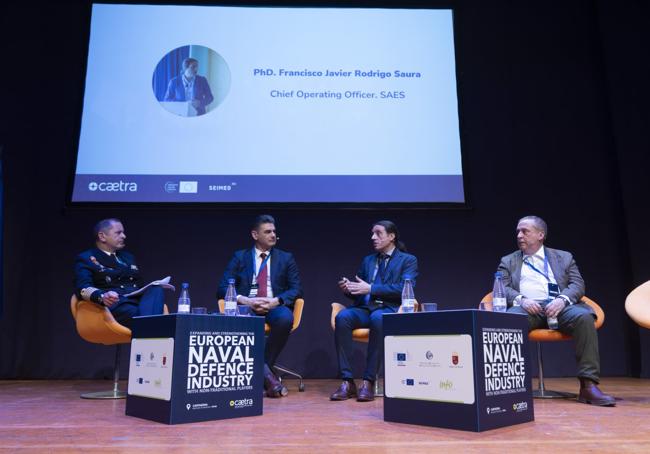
(543, 273)
(266, 259)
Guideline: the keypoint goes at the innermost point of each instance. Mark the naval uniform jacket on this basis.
(97, 273)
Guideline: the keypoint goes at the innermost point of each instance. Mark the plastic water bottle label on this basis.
(230, 308)
(499, 304)
(408, 306)
(183, 307)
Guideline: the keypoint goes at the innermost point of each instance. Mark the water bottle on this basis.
(499, 303)
(184, 299)
(230, 308)
(408, 297)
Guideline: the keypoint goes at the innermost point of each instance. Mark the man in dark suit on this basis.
(267, 280)
(189, 86)
(541, 282)
(106, 273)
(375, 290)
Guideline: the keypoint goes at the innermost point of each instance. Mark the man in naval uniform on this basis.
(106, 273)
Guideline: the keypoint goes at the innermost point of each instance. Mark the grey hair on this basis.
(538, 222)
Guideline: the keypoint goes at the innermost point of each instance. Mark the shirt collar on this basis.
(110, 254)
(388, 254)
(540, 254)
(258, 252)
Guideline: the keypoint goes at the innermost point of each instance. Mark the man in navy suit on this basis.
(375, 290)
(106, 273)
(541, 282)
(189, 86)
(266, 280)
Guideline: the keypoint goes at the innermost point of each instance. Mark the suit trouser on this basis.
(577, 321)
(360, 317)
(151, 302)
(280, 320)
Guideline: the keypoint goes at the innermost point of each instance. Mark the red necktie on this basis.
(261, 278)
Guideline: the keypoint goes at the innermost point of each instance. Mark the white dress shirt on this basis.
(532, 284)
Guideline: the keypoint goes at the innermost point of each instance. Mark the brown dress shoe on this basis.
(590, 394)
(366, 392)
(273, 386)
(346, 390)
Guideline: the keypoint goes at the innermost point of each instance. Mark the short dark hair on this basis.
(392, 228)
(188, 61)
(102, 225)
(262, 219)
(538, 222)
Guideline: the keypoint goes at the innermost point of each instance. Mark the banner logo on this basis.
(113, 186)
(188, 187)
(241, 403)
(520, 406)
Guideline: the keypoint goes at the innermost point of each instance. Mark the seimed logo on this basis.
(113, 186)
(241, 403)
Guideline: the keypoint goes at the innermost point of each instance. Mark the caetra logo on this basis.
(519, 407)
(241, 403)
(113, 186)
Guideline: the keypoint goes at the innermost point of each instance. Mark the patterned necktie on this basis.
(261, 278)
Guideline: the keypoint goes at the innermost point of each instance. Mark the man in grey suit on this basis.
(541, 282)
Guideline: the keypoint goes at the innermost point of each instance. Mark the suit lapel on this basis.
(554, 263)
(250, 265)
(274, 268)
(106, 260)
(370, 268)
(516, 271)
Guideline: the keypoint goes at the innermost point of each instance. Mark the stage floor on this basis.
(49, 416)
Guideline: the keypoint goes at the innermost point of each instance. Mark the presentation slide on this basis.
(269, 105)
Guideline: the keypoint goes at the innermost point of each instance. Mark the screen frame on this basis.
(70, 204)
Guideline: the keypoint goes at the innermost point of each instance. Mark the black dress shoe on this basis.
(273, 386)
(366, 392)
(590, 394)
(346, 390)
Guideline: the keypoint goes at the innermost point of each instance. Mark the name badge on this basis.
(553, 290)
(253, 291)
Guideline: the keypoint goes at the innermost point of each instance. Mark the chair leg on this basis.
(542, 392)
(115, 393)
(285, 371)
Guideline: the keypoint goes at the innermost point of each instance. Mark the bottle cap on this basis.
(498, 274)
(185, 285)
(231, 281)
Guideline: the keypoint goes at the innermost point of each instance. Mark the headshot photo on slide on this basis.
(191, 80)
